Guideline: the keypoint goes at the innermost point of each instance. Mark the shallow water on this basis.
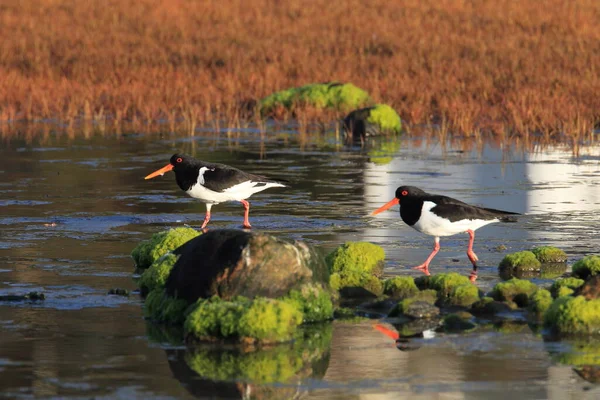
(72, 210)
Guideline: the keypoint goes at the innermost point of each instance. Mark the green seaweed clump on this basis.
(241, 319)
(587, 266)
(314, 302)
(162, 308)
(549, 254)
(558, 287)
(342, 96)
(147, 252)
(356, 264)
(463, 295)
(521, 260)
(539, 302)
(573, 315)
(445, 285)
(400, 287)
(514, 290)
(386, 118)
(156, 276)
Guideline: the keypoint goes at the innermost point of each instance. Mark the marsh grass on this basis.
(472, 68)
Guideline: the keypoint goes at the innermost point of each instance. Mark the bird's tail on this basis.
(504, 216)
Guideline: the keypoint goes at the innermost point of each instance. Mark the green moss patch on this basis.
(524, 260)
(261, 319)
(162, 308)
(334, 95)
(514, 290)
(314, 302)
(539, 302)
(587, 266)
(463, 295)
(573, 315)
(549, 254)
(356, 264)
(570, 284)
(454, 289)
(385, 117)
(148, 251)
(156, 276)
(400, 287)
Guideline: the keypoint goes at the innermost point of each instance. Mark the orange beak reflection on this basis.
(161, 171)
(395, 201)
(389, 333)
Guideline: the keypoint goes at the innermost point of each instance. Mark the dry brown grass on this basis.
(501, 66)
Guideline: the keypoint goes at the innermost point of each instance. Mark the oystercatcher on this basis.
(214, 183)
(438, 216)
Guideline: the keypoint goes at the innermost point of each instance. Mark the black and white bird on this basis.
(438, 216)
(214, 183)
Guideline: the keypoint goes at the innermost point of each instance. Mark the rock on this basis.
(569, 315)
(32, 296)
(420, 310)
(118, 292)
(414, 329)
(590, 373)
(487, 306)
(549, 254)
(539, 302)
(148, 251)
(356, 265)
(590, 290)
(587, 266)
(363, 123)
(332, 95)
(231, 263)
(159, 307)
(567, 283)
(458, 322)
(454, 289)
(400, 287)
(519, 263)
(514, 290)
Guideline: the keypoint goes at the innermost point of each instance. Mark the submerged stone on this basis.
(514, 290)
(377, 120)
(400, 287)
(549, 254)
(118, 292)
(423, 306)
(148, 251)
(32, 296)
(587, 266)
(333, 95)
(569, 315)
(458, 322)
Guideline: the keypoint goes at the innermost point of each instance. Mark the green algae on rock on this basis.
(314, 301)
(463, 295)
(400, 287)
(377, 120)
(334, 95)
(428, 296)
(357, 264)
(539, 302)
(549, 254)
(569, 315)
(243, 320)
(557, 288)
(523, 260)
(148, 251)
(487, 306)
(160, 307)
(587, 266)
(156, 275)
(514, 290)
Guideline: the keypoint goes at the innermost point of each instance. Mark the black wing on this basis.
(220, 177)
(456, 210)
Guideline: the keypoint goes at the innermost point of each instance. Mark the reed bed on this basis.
(495, 67)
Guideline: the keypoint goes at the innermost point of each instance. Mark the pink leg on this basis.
(425, 266)
(207, 216)
(472, 256)
(246, 214)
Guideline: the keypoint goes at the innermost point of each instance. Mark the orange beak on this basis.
(161, 171)
(395, 201)
(389, 333)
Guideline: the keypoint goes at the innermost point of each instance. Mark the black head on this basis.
(408, 192)
(181, 162)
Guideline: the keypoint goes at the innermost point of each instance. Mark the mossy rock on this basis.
(463, 295)
(519, 262)
(514, 290)
(160, 307)
(590, 289)
(549, 254)
(377, 120)
(415, 328)
(539, 302)
(148, 251)
(587, 266)
(447, 285)
(314, 301)
(487, 306)
(231, 263)
(569, 315)
(458, 322)
(429, 296)
(400, 287)
(332, 95)
(558, 287)
(356, 265)
(243, 320)
(156, 276)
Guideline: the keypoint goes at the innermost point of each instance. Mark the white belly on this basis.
(431, 224)
(235, 193)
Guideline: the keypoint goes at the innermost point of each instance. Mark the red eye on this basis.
(405, 193)
(179, 159)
